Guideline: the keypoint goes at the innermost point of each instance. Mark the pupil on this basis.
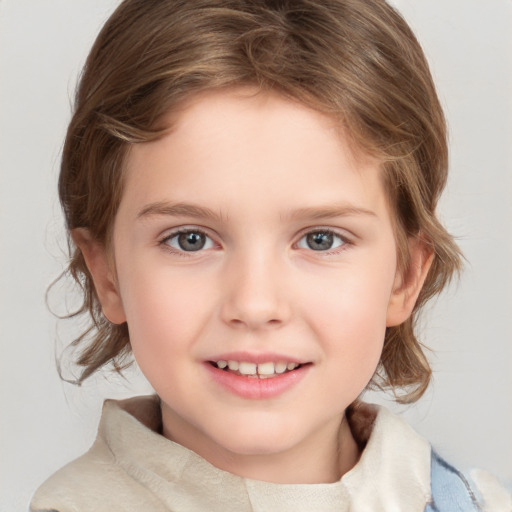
(191, 241)
(319, 241)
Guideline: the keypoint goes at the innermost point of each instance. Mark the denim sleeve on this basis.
(451, 491)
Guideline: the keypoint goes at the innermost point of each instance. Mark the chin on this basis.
(257, 447)
(257, 440)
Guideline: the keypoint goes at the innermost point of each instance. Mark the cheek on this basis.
(163, 314)
(354, 352)
(353, 300)
(349, 316)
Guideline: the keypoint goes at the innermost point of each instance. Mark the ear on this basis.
(97, 261)
(407, 287)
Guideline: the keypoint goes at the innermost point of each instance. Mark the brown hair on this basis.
(356, 60)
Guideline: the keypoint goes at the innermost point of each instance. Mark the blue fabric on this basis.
(451, 492)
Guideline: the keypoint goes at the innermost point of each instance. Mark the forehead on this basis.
(241, 143)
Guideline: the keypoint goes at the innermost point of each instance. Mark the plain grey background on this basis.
(467, 414)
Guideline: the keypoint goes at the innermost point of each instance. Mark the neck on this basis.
(324, 458)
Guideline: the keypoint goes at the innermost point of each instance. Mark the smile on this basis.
(257, 377)
(265, 370)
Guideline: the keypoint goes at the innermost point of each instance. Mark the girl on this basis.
(250, 188)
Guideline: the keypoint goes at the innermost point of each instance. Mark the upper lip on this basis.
(257, 358)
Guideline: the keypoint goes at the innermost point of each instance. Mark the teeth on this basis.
(247, 368)
(263, 370)
(280, 367)
(266, 369)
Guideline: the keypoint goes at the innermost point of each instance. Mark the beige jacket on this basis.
(132, 468)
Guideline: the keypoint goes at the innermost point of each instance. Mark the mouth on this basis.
(257, 377)
(266, 370)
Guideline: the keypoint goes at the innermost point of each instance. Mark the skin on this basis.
(265, 172)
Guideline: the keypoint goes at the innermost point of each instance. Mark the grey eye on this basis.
(320, 241)
(190, 241)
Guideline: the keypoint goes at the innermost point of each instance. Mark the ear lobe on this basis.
(97, 261)
(407, 287)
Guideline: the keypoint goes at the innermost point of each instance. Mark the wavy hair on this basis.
(355, 60)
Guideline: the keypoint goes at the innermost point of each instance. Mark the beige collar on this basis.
(392, 474)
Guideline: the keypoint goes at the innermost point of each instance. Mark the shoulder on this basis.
(477, 491)
(77, 477)
(492, 493)
(398, 466)
(96, 480)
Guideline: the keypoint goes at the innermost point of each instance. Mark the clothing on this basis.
(132, 468)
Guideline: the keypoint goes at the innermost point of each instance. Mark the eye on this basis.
(189, 241)
(321, 240)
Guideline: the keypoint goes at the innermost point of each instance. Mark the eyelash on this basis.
(164, 241)
(345, 241)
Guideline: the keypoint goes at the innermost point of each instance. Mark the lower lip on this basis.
(255, 388)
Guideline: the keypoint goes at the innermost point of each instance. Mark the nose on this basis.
(256, 296)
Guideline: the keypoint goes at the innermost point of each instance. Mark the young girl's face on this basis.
(253, 236)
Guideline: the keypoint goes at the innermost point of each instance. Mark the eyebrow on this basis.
(177, 210)
(201, 212)
(330, 212)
